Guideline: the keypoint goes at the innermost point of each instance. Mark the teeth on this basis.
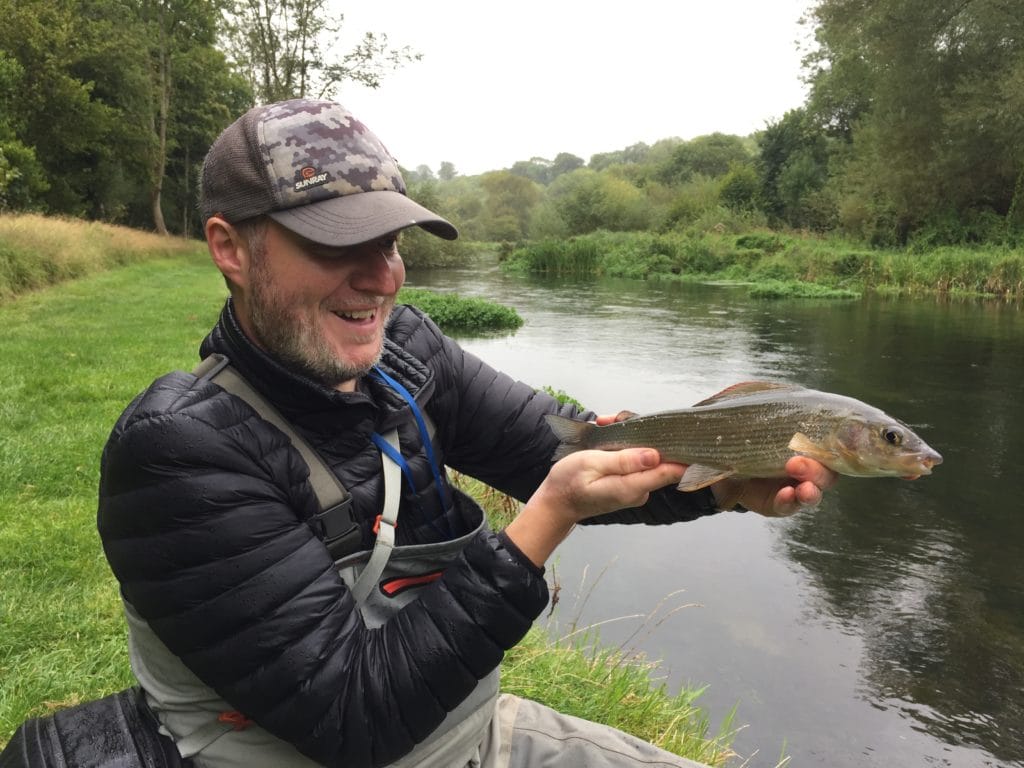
(366, 314)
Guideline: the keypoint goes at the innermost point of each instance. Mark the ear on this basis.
(229, 251)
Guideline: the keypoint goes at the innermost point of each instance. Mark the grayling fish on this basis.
(752, 429)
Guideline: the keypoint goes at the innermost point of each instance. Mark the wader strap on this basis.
(335, 522)
(202, 737)
(371, 574)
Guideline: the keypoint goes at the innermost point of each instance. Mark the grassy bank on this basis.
(781, 265)
(71, 358)
(37, 251)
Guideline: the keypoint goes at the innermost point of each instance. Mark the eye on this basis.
(892, 435)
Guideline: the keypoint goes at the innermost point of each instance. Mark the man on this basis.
(253, 628)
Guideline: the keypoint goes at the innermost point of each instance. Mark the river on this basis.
(885, 628)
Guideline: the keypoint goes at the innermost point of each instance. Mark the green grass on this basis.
(71, 357)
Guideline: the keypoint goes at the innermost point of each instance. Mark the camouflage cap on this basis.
(314, 169)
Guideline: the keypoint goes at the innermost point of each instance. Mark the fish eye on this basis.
(892, 435)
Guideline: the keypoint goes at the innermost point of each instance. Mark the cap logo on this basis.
(311, 177)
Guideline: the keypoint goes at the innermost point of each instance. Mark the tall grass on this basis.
(36, 251)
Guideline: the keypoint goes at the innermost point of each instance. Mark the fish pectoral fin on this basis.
(802, 444)
(699, 476)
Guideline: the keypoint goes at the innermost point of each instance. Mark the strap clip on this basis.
(340, 532)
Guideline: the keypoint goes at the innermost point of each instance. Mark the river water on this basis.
(886, 628)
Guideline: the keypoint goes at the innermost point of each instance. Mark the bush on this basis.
(457, 313)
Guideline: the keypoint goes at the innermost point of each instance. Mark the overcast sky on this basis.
(532, 78)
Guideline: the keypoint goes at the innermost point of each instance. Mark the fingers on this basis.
(808, 479)
(603, 421)
(596, 482)
(804, 470)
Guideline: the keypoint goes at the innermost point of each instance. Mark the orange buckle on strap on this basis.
(237, 720)
(376, 525)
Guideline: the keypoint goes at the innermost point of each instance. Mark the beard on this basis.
(300, 341)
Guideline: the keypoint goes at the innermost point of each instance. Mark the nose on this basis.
(378, 272)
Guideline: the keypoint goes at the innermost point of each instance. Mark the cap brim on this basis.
(357, 218)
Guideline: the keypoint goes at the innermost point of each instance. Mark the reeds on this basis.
(773, 259)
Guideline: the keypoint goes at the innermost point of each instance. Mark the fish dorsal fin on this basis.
(699, 476)
(745, 388)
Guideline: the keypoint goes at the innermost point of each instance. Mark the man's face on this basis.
(319, 308)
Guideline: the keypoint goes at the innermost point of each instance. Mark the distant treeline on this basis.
(912, 132)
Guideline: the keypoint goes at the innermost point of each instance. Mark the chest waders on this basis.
(382, 580)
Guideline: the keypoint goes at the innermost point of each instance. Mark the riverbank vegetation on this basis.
(907, 143)
(780, 265)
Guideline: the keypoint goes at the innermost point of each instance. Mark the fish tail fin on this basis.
(572, 433)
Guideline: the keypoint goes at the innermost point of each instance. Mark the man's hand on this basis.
(585, 484)
(778, 497)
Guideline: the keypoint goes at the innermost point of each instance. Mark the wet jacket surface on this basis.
(205, 513)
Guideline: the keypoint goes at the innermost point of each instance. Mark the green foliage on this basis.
(563, 397)
(459, 314)
(711, 156)
(586, 201)
(91, 103)
(792, 163)
(739, 188)
(286, 48)
(420, 248)
(544, 171)
(575, 675)
(808, 266)
(929, 101)
(575, 256)
(509, 202)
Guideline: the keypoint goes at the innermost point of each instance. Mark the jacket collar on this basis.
(303, 400)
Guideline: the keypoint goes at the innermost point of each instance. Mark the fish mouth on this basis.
(922, 464)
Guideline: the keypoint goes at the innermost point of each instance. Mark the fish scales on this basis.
(751, 438)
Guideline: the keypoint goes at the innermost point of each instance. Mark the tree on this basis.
(587, 201)
(792, 164)
(177, 29)
(740, 187)
(509, 202)
(926, 95)
(287, 49)
(710, 156)
(22, 181)
(447, 171)
(633, 154)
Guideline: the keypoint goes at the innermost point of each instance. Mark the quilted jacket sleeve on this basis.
(494, 430)
(201, 514)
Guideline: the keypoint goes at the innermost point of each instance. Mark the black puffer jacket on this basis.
(204, 511)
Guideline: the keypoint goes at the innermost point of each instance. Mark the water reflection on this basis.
(887, 628)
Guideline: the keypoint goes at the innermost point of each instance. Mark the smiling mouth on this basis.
(365, 314)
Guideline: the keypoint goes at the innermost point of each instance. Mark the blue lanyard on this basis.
(428, 446)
